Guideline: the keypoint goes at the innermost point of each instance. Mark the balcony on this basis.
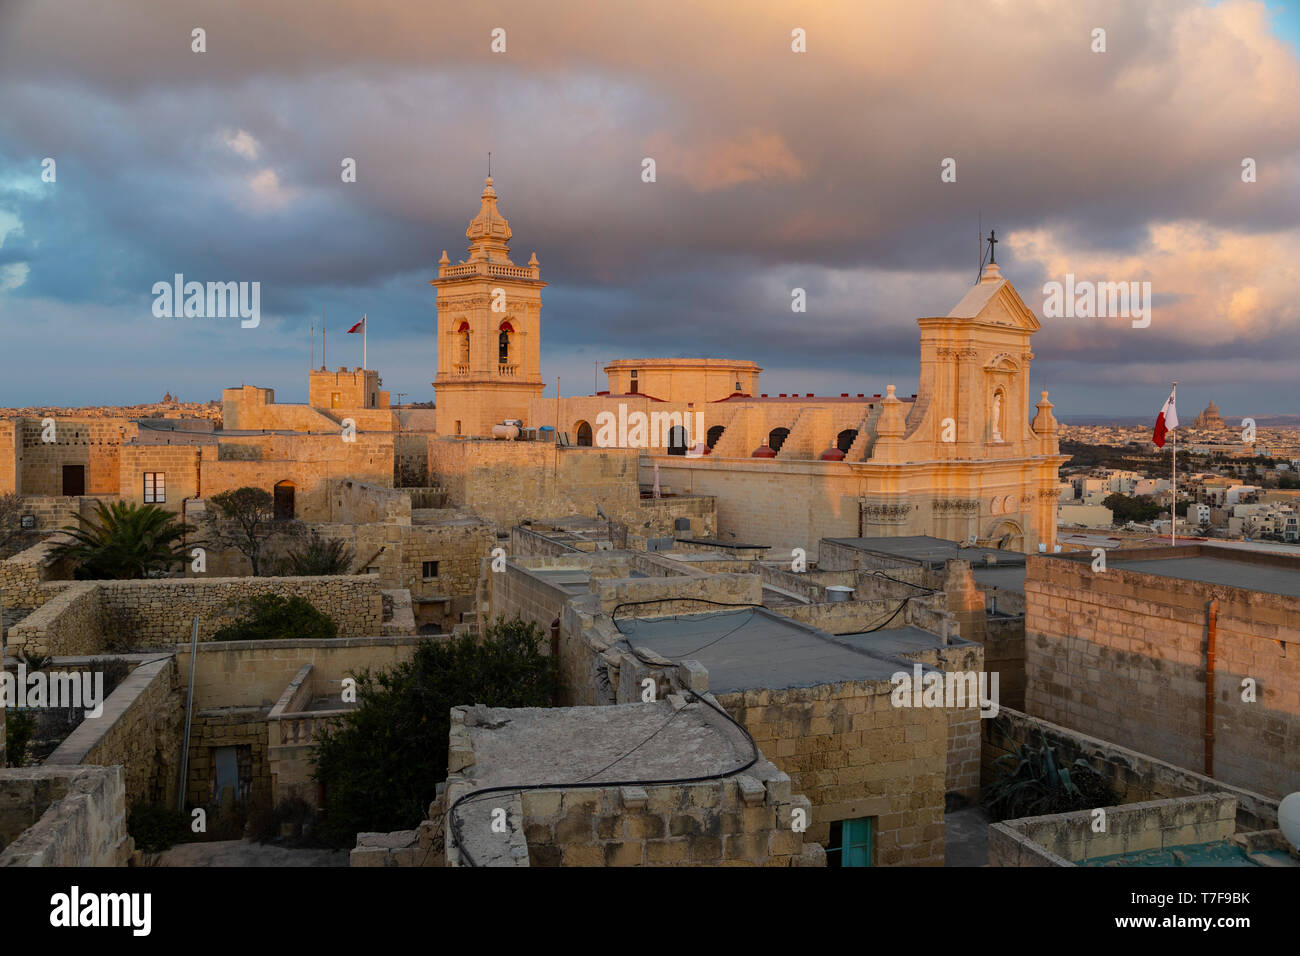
(491, 269)
(508, 371)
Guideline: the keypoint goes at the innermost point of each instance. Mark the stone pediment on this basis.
(995, 301)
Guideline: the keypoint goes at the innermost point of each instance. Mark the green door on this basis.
(849, 843)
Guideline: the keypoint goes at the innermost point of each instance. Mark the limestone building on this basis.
(967, 458)
(489, 329)
(1210, 418)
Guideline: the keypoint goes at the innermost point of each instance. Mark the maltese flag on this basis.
(359, 327)
(1167, 421)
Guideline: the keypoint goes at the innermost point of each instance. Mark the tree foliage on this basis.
(381, 763)
(125, 541)
(275, 618)
(249, 520)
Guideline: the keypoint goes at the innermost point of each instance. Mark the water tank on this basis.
(838, 594)
(505, 432)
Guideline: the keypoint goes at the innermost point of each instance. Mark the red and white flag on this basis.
(359, 327)
(1167, 421)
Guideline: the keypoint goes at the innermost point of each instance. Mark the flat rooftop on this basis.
(898, 641)
(753, 649)
(1003, 578)
(932, 552)
(572, 580)
(584, 747)
(1282, 577)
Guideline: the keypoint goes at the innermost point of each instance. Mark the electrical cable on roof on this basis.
(754, 751)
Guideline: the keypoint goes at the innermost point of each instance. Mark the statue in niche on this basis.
(997, 416)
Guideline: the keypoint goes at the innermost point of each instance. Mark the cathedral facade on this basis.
(968, 458)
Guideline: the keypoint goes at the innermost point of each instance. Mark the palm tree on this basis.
(125, 540)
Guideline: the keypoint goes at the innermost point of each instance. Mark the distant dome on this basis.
(832, 454)
(763, 451)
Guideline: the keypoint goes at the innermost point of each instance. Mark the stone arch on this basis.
(284, 504)
(582, 431)
(461, 338)
(776, 438)
(1006, 535)
(845, 439)
(677, 440)
(713, 434)
(505, 340)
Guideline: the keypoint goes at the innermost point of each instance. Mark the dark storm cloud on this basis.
(775, 170)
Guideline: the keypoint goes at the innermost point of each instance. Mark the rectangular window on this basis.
(155, 488)
(850, 843)
(429, 569)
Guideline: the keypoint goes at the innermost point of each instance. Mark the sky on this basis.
(774, 170)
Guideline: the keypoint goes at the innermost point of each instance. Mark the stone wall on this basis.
(178, 464)
(240, 727)
(22, 575)
(255, 673)
(1068, 839)
(1004, 653)
(507, 482)
(658, 516)
(140, 730)
(81, 821)
(309, 461)
(854, 754)
(1122, 654)
(90, 616)
(69, 623)
(93, 443)
(744, 819)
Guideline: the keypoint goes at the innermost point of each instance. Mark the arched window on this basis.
(844, 440)
(776, 438)
(677, 440)
(503, 348)
(283, 496)
(714, 434)
(462, 333)
(584, 434)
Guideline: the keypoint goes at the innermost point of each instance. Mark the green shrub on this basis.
(382, 762)
(156, 827)
(20, 728)
(273, 618)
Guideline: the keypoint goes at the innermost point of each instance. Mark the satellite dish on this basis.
(1288, 818)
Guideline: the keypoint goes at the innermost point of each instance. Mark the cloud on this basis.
(775, 169)
(242, 143)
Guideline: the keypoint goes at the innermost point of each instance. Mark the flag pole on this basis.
(1173, 461)
(364, 357)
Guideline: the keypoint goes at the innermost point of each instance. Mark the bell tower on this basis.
(489, 329)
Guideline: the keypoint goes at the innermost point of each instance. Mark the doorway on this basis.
(74, 480)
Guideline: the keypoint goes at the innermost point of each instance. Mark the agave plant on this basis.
(1034, 782)
(321, 556)
(125, 540)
